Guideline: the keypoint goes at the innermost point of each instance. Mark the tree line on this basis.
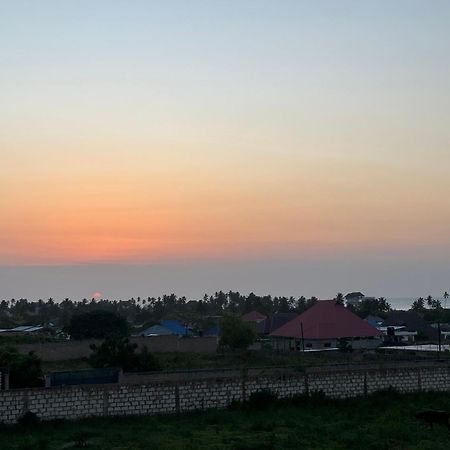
(152, 309)
(146, 310)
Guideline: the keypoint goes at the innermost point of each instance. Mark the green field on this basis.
(192, 361)
(383, 421)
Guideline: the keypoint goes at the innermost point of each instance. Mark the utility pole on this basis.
(439, 324)
(439, 337)
(303, 337)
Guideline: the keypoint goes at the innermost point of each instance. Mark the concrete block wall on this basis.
(74, 402)
(284, 387)
(403, 380)
(206, 394)
(435, 379)
(127, 400)
(338, 384)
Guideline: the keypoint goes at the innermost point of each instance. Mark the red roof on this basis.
(253, 316)
(327, 320)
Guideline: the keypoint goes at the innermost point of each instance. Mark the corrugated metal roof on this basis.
(156, 330)
(176, 327)
(274, 321)
(26, 328)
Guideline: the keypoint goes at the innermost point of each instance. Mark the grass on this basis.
(191, 361)
(383, 421)
(180, 361)
(69, 364)
(11, 339)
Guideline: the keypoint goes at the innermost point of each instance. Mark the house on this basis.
(445, 330)
(397, 335)
(177, 327)
(253, 316)
(411, 321)
(354, 298)
(325, 325)
(392, 335)
(273, 322)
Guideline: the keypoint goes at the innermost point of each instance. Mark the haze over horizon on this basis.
(293, 148)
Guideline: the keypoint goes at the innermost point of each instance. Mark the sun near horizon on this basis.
(149, 133)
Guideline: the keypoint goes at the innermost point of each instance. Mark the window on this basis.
(327, 344)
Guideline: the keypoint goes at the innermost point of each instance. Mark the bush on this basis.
(317, 397)
(28, 419)
(261, 399)
(97, 324)
(120, 352)
(24, 369)
(236, 334)
(314, 398)
(344, 346)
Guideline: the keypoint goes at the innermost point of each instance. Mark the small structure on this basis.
(326, 324)
(354, 298)
(397, 335)
(411, 321)
(24, 329)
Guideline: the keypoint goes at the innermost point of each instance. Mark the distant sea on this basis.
(406, 302)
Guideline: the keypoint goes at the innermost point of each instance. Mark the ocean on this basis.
(406, 302)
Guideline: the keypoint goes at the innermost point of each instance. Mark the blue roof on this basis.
(156, 330)
(375, 321)
(213, 331)
(177, 327)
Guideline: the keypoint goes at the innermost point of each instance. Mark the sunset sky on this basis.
(312, 136)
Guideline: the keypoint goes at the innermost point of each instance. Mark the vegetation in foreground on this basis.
(383, 421)
(168, 361)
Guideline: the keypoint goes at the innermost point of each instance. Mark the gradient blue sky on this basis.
(180, 138)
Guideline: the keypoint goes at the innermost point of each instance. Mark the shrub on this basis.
(261, 399)
(236, 334)
(344, 346)
(97, 324)
(28, 419)
(317, 398)
(24, 369)
(120, 352)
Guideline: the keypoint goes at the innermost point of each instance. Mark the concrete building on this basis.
(323, 326)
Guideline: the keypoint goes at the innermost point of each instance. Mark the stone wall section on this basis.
(206, 394)
(75, 402)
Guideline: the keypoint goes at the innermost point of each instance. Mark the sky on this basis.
(289, 147)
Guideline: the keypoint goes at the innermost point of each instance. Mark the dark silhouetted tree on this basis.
(121, 353)
(24, 368)
(236, 334)
(97, 324)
